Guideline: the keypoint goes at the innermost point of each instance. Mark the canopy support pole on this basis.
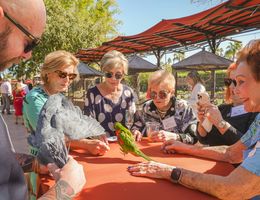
(175, 74)
(213, 86)
(159, 54)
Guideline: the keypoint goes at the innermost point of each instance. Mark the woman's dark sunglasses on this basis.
(161, 94)
(65, 75)
(35, 41)
(229, 81)
(110, 75)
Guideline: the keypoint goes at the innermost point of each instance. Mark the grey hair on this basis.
(114, 59)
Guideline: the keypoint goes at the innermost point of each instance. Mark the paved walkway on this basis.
(17, 132)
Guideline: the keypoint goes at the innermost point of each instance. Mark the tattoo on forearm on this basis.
(64, 191)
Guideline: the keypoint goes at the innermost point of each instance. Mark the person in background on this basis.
(230, 120)
(193, 79)
(18, 95)
(107, 102)
(30, 86)
(57, 73)
(24, 86)
(243, 182)
(32, 15)
(175, 118)
(6, 91)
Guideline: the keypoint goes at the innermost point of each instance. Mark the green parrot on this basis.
(127, 141)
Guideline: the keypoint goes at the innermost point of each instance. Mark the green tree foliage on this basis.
(71, 25)
(178, 56)
(232, 50)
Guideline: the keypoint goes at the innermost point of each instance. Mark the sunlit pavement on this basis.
(18, 133)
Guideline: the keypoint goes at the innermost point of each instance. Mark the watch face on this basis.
(175, 175)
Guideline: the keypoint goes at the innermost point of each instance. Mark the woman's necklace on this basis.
(162, 113)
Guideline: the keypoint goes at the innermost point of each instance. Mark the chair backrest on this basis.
(5, 139)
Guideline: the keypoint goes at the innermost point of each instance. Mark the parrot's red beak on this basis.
(117, 132)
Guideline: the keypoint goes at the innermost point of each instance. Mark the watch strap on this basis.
(222, 124)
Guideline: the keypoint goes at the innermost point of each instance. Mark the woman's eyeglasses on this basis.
(35, 41)
(65, 75)
(161, 94)
(229, 81)
(110, 75)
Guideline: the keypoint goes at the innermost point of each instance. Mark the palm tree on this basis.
(232, 49)
(177, 57)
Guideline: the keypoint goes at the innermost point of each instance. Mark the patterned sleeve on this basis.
(89, 108)
(132, 101)
(139, 123)
(251, 163)
(189, 128)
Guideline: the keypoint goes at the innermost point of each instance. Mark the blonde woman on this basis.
(175, 118)
(18, 95)
(108, 101)
(58, 72)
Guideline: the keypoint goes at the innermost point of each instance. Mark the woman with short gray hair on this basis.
(109, 101)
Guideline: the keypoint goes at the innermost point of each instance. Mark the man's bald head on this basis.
(31, 15)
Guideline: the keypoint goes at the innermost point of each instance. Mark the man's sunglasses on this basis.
(161, 94)
(229, 81)
(110, 75)
(35, 41)
(65, 75)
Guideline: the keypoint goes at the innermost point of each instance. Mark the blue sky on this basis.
(139, 15)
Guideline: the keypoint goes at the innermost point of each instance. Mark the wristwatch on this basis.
(176, 175)
(222, 124)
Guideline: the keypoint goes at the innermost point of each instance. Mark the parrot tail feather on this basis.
(140, 153)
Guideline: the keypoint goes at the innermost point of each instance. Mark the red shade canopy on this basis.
(229, 18)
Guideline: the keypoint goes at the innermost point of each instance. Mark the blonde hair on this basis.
(228, 99)
(58, 60)
(18, 87)
(114, 59)
(159, 77)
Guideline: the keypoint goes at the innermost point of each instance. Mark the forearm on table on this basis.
(60, 191)
(239, 184)
(82, 144)
(216, 153)
(232, 154)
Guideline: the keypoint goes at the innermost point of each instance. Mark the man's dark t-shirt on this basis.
(12, 181)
